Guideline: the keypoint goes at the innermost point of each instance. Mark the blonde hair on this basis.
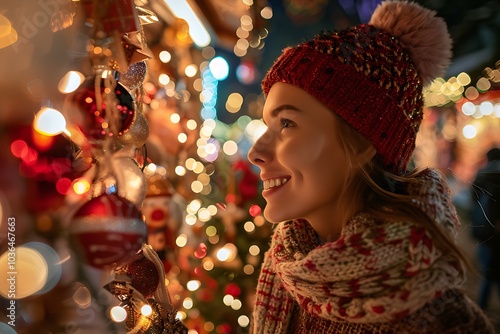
(373, 188)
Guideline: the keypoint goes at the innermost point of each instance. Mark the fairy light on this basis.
(180, 170)
(243, 321)
(196, 187)
(187, 303)
(181, 240)
(50, 122)
(165, 56)
(266, 13)
(81, 186)
(146, 310)
(486, 108)
(236, 304)
(198, 167)
(118, 314)
(204, 215)
(209, 326)
(242, 33)
(254, 250)
(204, 178)
(191, 124)
(190, 219)
(227, 300)
(469, 131)
(468, 108)
(214, 239)
(193, 285)
(230, 147)
(175, 118)
(248, 269)
(212, 209)
(32, 272)
(191, 70)
(190, 163)
(249, 227)
(70, 82)
(211, 231)
(208, 265)
(182, 137)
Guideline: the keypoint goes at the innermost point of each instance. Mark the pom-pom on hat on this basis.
(372, 75)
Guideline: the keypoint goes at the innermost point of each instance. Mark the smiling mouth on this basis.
(271, 183)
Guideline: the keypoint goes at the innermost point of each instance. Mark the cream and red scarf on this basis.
(375, 272)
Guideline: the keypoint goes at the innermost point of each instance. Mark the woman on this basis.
(364, 246)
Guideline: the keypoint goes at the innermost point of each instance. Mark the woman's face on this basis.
(302, 162)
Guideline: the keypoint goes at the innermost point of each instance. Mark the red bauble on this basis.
(108, 231)
(84, 100)
(143, 275)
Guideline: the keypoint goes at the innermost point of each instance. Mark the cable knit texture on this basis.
(376, 272)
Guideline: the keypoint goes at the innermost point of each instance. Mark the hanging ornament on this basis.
(153, 315)
(136, 49)
(134, 76)
(143, 275)
(85, 112)
(130, 180)
(162, 229)
(138, 132)
(108, 231)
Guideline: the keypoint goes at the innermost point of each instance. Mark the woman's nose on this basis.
(260, 152)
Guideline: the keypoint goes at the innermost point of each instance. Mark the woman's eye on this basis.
(286, 123)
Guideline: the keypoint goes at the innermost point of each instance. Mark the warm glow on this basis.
(182, 137)
(204, 215)
(190, 219)
(81, 186)
(266, 12)
(249, 227)
(146, 310)
(193, 285)
(243, 321)
(194, 206)
(165, 56)
(196, 186)
(191, 70)
(180, 170)
(163, 79)
(118, 314)
(175, 118)
(230, 147)
(187, 303)
(70, 82)
(254, 250)
(469, 131)
(181, 240)
(236, 304)
(211, 231)
(227, 300)
(50, 122)
(191, 124)
(31, 272)
(197, 31)
(219, 68)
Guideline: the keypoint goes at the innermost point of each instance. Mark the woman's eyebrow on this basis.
(275, 112)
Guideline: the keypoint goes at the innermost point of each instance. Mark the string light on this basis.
(146, 310)
(118, 314)
(50, 122)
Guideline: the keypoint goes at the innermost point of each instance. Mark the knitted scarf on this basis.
(375, 271)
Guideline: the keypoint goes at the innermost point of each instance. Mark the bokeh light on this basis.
(31, 272)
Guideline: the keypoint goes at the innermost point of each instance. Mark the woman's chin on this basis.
(274, 217)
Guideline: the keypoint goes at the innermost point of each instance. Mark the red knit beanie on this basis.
(372, 75)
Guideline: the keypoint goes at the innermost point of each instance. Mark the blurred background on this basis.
(192, 71)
